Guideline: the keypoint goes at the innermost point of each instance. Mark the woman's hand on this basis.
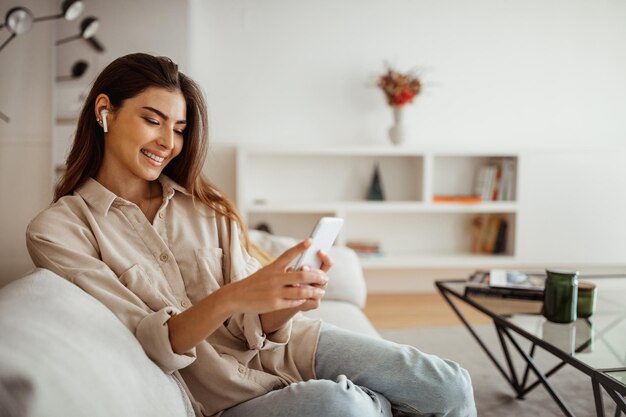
(327, 263)
(275, 287)
(274, 320)
(273, 292)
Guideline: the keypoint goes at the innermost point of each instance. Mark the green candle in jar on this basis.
(586, 305)
(560, 296)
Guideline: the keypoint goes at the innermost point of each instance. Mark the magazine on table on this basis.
(506, 284)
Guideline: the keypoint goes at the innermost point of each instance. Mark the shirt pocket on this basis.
(137, 281)
(207, 276)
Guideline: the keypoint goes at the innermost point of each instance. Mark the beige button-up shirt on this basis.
(145, 273)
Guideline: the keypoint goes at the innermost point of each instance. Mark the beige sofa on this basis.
(62, 353)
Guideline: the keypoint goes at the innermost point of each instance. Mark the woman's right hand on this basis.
(274, 287)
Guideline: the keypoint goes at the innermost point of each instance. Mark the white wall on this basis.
(573, 208)
(517, 71)
(526, 73)
(26, 77)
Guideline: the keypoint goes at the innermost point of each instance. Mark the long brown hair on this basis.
(125, 78)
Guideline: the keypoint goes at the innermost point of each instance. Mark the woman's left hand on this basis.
(273, 320)
(327, 263)
(313, 302)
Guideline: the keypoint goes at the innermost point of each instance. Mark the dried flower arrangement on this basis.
(399, 88)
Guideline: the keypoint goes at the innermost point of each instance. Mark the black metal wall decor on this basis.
(88, 28)
(19, 20)
(78, 69)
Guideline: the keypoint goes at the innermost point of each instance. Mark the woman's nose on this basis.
(166, 140)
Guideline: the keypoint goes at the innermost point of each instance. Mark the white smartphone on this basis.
(323, 237)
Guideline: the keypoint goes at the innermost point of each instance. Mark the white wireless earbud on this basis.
(103, 114)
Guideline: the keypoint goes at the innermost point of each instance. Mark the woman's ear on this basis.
(102, 108)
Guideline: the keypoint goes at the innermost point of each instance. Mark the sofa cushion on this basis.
(78, 357)
(345, 278)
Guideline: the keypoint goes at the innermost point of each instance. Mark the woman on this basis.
(135, 224)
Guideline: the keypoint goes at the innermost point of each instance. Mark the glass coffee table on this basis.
(595, 346)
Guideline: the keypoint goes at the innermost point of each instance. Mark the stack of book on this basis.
(495, 181)
(500, 283)
(489, 233)
(365, 249)
(464, 199)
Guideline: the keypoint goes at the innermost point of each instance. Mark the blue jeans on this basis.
(361, 376)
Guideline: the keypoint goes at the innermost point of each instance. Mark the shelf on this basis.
(289, 187)
(299, 151)
(383, 207)
(488, 207)
(373, 150)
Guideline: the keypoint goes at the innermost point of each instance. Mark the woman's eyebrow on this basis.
(163, 115)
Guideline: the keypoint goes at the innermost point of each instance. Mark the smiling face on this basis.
(144, 134)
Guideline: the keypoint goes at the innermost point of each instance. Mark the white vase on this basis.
(397, 132)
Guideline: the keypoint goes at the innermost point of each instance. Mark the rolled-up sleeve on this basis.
(68, 251)
(242, 265)
(250, 326)
(153, 334)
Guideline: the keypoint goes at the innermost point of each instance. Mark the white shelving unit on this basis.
(289, 188)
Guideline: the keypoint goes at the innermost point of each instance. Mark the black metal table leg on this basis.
(505, 350)
(612, 387)
(480, 342)
(532, 355)
(557, 398)
(597, 395)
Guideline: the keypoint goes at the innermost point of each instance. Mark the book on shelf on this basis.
(495, 180)
(489, 234)
(500, 283)
(485, 181)
(507, 178)
(462, 199)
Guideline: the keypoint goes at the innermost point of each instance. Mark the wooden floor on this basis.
(387, 311)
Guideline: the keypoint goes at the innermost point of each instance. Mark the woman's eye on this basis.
(151, 121)
(179, 132)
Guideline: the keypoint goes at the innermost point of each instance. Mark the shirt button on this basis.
(242, 369)
(161, 215)
(184, 304)
(164, 257)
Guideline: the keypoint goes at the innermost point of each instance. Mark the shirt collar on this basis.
(97, 196)
(101, 198)
(169, 186)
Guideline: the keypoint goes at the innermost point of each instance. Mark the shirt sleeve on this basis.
(242, 265)
(69, 250)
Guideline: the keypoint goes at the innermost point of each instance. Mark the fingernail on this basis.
(306, 268)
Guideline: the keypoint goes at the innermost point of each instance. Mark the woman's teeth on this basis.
(152, 156)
